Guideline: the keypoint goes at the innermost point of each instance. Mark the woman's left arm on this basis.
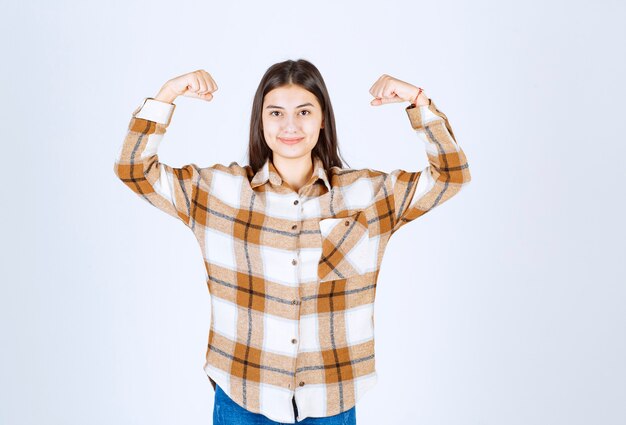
(415, 193)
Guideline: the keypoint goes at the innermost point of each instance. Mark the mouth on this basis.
(290, 141)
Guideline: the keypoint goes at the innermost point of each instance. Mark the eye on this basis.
(307, 112)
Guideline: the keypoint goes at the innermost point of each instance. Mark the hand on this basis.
(197, 84)
(390, 90)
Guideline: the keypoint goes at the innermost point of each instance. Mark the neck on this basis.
(294, 171)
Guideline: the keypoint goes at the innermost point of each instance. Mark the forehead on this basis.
(289, 97)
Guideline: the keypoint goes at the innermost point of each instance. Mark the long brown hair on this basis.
(302, 73)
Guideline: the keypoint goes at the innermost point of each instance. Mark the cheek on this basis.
(268, 130)
(271, 126)
(313, 127)
(315, 136)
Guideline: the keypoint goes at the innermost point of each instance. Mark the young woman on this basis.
(292, 242)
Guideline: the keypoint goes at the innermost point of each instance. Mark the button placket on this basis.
(295, 262)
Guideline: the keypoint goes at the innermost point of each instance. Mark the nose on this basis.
(290, 124)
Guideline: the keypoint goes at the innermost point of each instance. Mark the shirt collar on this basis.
(269, 172)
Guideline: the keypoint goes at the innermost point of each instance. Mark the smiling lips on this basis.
(290, 141)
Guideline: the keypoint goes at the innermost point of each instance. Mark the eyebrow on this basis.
(280, 107)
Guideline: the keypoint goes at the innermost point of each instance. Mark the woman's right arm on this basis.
(173, 190)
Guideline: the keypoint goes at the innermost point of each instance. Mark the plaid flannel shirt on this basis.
(291, 276)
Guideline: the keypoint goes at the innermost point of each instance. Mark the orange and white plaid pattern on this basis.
(292, 276)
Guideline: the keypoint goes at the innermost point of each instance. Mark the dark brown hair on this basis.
(302, 73)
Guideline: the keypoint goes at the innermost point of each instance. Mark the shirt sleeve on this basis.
(415, 193)
(137, 165)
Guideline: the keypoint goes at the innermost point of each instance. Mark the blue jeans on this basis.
(227, 412)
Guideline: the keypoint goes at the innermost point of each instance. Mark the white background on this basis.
(503, 306)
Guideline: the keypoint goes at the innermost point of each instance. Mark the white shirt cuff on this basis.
(155, 110)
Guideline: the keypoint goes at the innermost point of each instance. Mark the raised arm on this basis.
(412, 194)
(416, 193)
(175, 191)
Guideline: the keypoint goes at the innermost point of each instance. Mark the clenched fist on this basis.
(198, 84)
(389, 90)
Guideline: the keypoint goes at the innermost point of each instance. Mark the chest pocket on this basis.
(345, 247)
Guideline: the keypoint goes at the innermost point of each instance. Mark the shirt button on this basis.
(294, 262)
(293, 341)
(295, 226)
(296, 202)
(301, 383)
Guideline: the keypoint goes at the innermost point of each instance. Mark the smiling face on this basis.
(292, 119)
